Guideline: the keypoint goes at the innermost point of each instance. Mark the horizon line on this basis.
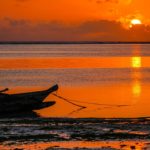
(74, 42)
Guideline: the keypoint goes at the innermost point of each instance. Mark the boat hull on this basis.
(25, 108)
(25, 101)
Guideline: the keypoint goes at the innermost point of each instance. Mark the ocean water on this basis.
(111, 80)
(111, 74)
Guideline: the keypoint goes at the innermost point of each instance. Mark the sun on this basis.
(136, 21)
(130, 22)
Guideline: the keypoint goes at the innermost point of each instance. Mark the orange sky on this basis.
(63, 20)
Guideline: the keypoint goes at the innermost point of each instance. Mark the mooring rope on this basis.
(71, 102)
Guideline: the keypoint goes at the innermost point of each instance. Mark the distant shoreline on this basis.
(67, 42)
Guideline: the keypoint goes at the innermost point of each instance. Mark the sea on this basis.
(103, 100)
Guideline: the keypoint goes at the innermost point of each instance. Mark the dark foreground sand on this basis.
(65, 133)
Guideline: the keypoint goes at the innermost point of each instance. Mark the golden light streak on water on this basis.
(136, 89)
(136, 62)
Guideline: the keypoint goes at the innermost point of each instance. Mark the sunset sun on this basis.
(136, 21)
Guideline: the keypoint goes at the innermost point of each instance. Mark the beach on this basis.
(65, 133)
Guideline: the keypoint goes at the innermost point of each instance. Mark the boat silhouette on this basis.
(22, 102)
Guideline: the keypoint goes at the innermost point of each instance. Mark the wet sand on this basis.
(67, 133)
(101, 145)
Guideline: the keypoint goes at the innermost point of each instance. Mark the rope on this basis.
(98, 104)
(71, 102)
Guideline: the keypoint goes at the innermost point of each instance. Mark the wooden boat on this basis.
(25, 101)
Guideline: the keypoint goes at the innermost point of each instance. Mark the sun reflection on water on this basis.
(136, 64)
(136, 89)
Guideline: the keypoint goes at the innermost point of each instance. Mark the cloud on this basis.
(100, 30)
(125, 2)
(13, 22)
(22, 0)
(103, 1)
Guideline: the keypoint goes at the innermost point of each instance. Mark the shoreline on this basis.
(85, 145)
